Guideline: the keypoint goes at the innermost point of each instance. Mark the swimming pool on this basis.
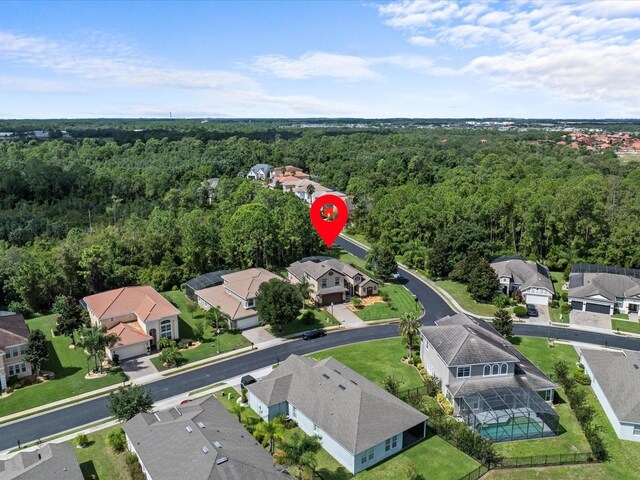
(514, 427)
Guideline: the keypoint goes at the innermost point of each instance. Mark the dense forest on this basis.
(99, 211)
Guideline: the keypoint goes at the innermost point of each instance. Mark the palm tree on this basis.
(305, 290)
(271, 432)
(238, 410)
(310, 190)
(299, 451)
(94, 340)
(409, 327)
(372, 256)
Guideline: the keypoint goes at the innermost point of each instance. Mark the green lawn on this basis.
(625, 326)
(459, 292)
(323, 319)
(99, 462)
(186, 322)
(401, 302)
(69, 366)
(622, 316)
(358, 263)
(543, 357)
(375, 360)
(433, 457)
(573, 472)
(556, 313)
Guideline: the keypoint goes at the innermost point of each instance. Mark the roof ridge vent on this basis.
(221, 460)
(188, 428)
(201, 425)
(342, 387)
(217, 444)
(205, 450)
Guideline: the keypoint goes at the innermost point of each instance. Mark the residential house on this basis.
(139, 316)
(14, 336)
(288, 171)
(615, 379)
(531, 278)
(203, 281)
(259, 171)
(236, 297)
(474, 363)
(604, 289)
(53, 461)
(359, 423)
(199, 440)
(330, 280)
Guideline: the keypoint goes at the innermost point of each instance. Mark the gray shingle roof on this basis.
(351, 409)
(265, 167)
(526, 273)
(318, 268)
(619, 379)
(609, 285)
(169, 451)
(57, 462)
(460, 341)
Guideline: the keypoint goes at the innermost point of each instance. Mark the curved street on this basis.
(79, 414)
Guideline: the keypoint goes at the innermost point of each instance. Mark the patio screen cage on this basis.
(509, 413)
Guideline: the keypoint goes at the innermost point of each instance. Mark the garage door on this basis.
(537, 299)
(593, 307)
(330, 298)
(129, 351)
(247, 322)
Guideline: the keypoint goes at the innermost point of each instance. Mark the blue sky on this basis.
(536, 59)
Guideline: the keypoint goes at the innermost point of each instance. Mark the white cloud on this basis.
(422, 41)
(316, 64)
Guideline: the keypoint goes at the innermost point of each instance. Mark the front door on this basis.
(633, 307)
(154, 336)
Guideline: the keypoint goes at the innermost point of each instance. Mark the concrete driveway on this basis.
(590, 319)
(138, 367)
(344, 315)
(543, 314)
(258, 335)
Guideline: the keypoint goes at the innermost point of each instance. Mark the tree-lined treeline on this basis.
(84, 215)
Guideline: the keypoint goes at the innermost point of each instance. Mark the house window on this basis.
(22, 349)
(367, 456)
(636, 429)
(251, 302)
(23, 367)
(429, 369)
(503, 369)
(487, 370)
(337, 281)
(546, 394)
(323, 284)
(294, 412)
(165, 329)
(495, 369)
(464, 372)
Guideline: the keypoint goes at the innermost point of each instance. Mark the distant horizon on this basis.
(240, 119)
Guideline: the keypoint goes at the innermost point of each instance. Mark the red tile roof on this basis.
(144, 301)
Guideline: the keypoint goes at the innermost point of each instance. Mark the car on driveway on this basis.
(396, 276)
(247, 380)
(318, 332)
(532, 311)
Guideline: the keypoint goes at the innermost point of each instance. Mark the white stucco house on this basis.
(604, 289)
(139, 316)
(615, 379)
(359, 423)
(532, 279)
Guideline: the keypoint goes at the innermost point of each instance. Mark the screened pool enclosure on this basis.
(509, 413)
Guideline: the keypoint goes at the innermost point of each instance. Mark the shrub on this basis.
(554, 304)
(385, 297)
(565, 308)
(520, 311)
(392, 384)
(115, 359)
(308, 317)
(416, 359)
(561, 371)
(81, 440)
(447, 408)
(235, 331)
(131, 458)
(433, 385)
(116, 440)
(500, 300)
(564, 296)
(243, 391)
(582, 378)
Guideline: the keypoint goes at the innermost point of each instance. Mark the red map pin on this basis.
(329, 215)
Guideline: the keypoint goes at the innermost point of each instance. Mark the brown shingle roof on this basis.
(13, 330)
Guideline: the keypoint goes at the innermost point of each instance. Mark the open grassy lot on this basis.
(375, 360)
(459, 292)
(625, 326)
(323, 319)
(401, 301)
(69, 366)
(186, 322)
(99, 462)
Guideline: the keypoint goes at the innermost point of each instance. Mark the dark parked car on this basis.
(532, 311)
(247, 380)
(313, 334)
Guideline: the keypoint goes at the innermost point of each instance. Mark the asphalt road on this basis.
(77, 415)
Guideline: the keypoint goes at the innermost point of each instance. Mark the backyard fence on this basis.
(411, 392)
(532, 461)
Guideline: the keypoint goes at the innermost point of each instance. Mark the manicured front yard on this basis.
(323, 319)
(186, 323)
(98, 461)
(401, 301)
(459, 292)
(69, 366)
(625, 325)
(556, 313)
(375, 360)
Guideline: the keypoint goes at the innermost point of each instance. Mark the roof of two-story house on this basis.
(259, 171)
(359, 423)
(332, 279)
(14, 335)
(603, 289)
(139, 316)
(531, 278)
(236, 297)
(53, 461)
